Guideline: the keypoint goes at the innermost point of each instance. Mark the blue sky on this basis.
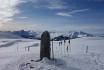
(53, 15)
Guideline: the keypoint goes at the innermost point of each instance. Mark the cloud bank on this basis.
(8, 8)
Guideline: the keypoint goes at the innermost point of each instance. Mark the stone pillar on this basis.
(45, 49)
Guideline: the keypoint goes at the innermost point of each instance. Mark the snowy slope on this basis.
(78, 56)
(8, 35)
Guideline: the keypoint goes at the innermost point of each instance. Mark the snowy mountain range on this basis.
(37, 35)
(9, 35)
(73, 35)
(101, 35)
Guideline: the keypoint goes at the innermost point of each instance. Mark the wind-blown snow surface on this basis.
(83, 54)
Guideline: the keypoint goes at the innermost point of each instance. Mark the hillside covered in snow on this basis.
(84, 53)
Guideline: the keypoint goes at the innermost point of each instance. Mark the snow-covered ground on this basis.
(82, 54)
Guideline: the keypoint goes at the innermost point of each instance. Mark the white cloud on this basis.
(8, 8)
(63, 14)
(78, 11)
(56, 4)
(68, 14)
(49, 4)
(56, 7)
(22, 17)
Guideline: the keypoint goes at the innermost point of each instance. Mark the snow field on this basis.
(18, 57)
